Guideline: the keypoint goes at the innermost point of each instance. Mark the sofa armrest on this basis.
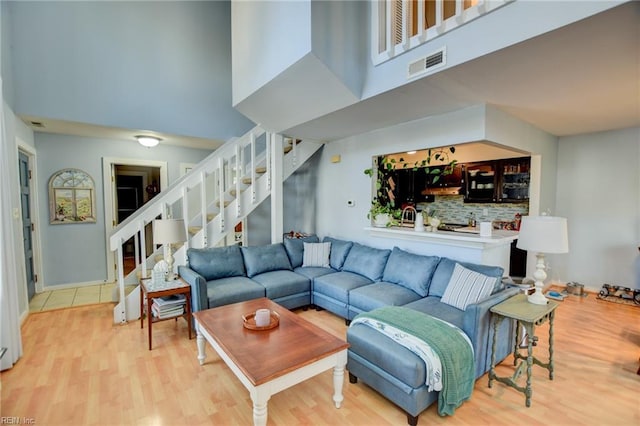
(477, 324)
(198, 285)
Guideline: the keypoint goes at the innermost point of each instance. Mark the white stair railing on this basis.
(212, 198)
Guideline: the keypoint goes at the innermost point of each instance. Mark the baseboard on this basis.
(72, 285)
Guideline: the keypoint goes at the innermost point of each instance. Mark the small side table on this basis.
(168, 288)
(527, 315)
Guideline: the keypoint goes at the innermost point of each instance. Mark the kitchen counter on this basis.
(470, 247)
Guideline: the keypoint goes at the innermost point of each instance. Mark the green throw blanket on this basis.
(454, 351)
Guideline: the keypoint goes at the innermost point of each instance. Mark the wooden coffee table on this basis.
(269, 361)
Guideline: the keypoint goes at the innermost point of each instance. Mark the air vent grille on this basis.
(427, 63)
(37, 124)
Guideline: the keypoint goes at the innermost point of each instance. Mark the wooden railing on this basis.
(400, 25)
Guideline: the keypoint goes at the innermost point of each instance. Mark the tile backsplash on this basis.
(453, 209)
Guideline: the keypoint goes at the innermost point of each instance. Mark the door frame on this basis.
(31, 154)
(109, 188)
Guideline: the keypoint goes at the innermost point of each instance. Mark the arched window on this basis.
(71, 197)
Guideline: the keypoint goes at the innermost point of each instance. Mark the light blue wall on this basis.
(598, 191)
(77, 253)
(163, 66)
(5, 58)
(340, 39)
(268, 37)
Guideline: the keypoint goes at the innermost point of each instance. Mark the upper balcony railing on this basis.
(401, 25)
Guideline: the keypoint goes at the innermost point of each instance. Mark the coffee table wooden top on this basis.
(263, 355)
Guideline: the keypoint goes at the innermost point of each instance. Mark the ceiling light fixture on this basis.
(148, 141)
(411, 152)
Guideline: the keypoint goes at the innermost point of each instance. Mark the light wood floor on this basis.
(76, 370)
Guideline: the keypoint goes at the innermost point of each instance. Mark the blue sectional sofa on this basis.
(348, 278)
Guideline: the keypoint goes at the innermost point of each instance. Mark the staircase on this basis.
(212, 198)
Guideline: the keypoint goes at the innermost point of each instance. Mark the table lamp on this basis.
(167, 232)
(542, 234)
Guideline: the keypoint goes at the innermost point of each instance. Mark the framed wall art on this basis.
(71, 197)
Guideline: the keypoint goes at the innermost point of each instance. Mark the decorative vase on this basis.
(381, 220)
(434, 222)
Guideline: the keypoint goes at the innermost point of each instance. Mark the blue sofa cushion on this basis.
(294, 248)
(283, 283)
(366, 261)
(225, 291)
(311, 271)
(217, 262)
(410, 270)
(443, 272)
(338, 285)
(339, 251)
(377, 295)
(467, 287)
(260, 259)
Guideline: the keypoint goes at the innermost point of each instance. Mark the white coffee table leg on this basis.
(200, 341)
(338, 379)
(260, 399)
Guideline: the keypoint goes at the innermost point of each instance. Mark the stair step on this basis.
(193, 230)
(226, 203)
(287, 148)
(233, 191)
(246, 180)
(261, 169)
(211, 216)
(290, 141)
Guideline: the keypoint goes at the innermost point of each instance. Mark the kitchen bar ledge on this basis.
(493, 250)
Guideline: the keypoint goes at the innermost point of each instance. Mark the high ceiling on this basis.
(582, 78)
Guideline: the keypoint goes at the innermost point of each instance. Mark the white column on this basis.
(277, 198)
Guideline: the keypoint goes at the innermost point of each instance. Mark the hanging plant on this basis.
(384, 184)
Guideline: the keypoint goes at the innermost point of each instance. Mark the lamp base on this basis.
(537, 298)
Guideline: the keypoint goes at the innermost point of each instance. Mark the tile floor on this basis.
(66, 298)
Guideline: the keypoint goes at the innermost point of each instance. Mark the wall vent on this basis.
(427, 63)
(37, 124)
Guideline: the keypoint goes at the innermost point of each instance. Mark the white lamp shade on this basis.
(168, 231)
(543, 234)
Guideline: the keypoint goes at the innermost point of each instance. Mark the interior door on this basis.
(27, 231)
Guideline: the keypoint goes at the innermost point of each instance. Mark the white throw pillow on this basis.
(467, 287)
(316, 254)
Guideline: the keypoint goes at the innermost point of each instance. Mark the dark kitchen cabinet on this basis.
(498, 181)
(515, 179)
(482, 180)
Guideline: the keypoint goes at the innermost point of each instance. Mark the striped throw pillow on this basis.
(316, 254)
(467, 287)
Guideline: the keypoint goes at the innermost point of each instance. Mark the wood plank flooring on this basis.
(75, 372)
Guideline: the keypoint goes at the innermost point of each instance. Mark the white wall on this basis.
(16, 130)
(339, 182)
(599, 194)
(267, 38)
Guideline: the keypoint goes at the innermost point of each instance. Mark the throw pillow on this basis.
(467, 287)
(216, 262)
(366, 261)
(409, 270)
(316, 254)
(339, 251)
(259, 259)
(294, 248)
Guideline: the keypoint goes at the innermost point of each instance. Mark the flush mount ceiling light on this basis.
(148, 141)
